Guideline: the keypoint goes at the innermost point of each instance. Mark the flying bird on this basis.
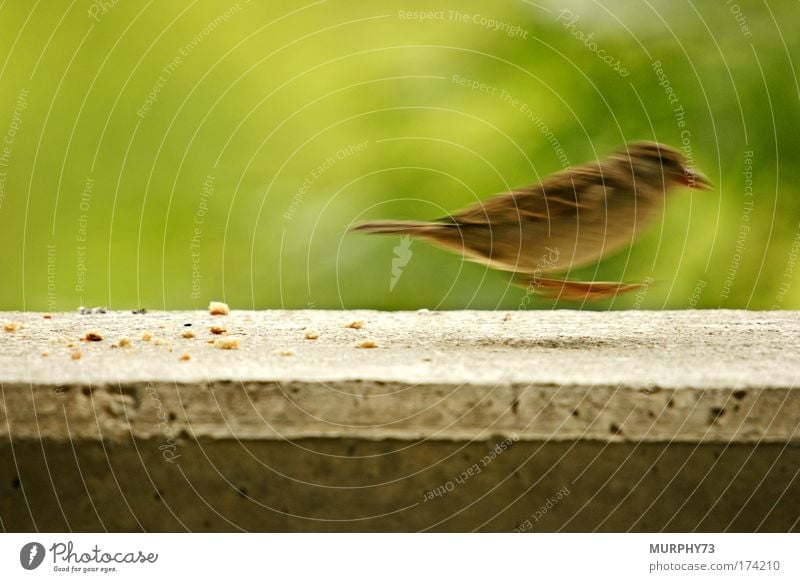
(570, 219)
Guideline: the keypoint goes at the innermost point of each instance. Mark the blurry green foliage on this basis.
(237, 182)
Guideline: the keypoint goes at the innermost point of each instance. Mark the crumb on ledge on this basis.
(311, 334)
(367, 344)
(76, 355)
(123, 342)
(92, 336)
(358, 324)
(218, 308)
(283, 352)
(188, 335)
(147, 336)
(218, 330)
(47, 315)
(227, 343)
(11, 326)
(185, 357)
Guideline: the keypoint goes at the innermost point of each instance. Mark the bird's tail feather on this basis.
(577, 290)
(397, 227)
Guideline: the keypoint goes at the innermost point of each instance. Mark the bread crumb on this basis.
(211, 341)
(71, 345)
(227, 343)
(160, 342)
(355, 324)
(188, 335)
(123, 342)
(76, 355)
(218, 330)
(92, 336)
(507, 317)
(283, 352)
(218, 308)
(11, 326)
(185, 357)
(45, 354)
(147, 336)
(367, 344)
(47, 315)
(311, 334)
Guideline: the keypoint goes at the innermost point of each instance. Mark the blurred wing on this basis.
(581, 190)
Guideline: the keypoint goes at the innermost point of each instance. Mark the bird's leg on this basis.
(576, 290)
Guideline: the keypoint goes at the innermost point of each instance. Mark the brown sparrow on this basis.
(572, 218)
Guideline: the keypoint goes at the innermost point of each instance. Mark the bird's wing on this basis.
(570, 192)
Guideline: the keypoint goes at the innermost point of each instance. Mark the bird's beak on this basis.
(695, 180)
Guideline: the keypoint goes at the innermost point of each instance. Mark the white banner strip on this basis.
(401, 557)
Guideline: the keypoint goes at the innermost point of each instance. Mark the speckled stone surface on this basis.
(456, 421)
(621, 376)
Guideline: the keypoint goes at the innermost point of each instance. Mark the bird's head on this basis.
(659, 163)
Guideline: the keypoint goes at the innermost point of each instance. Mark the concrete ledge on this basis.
(641, 421)
(692, 376)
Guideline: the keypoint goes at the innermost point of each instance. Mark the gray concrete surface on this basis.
(651, 420)
(688, 376)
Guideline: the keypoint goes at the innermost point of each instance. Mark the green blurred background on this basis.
(163, 154)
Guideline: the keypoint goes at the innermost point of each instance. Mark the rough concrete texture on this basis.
(687, 376)
(457, 421)
(360, 485)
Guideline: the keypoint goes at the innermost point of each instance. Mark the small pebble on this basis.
(227, 343)
(92, 336)
(218, 308)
